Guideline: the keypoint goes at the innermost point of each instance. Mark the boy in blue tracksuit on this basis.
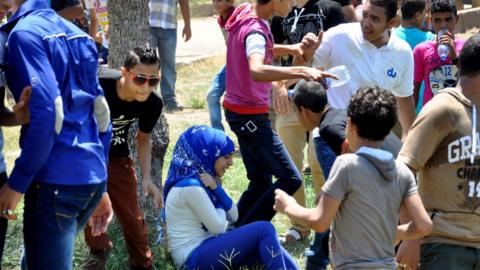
(61, 168)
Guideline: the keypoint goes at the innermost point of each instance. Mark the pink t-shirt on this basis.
(436, 73)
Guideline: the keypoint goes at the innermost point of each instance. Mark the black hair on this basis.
(263, 2)
(411, 7)
(444, 6)
(374, 112)
(145, 55)
(310, 95)
(390, 7)
(469, 59)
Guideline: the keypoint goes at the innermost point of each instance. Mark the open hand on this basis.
(315, 74)
(150, 189)
(408, 254)
(9, 199)
(280, 99)
(208, 181)
(102, 216)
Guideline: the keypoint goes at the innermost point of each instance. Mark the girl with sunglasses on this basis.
(198, 210)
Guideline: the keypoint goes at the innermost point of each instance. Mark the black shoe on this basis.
(307, 171)
(171, 108)
(97, 260)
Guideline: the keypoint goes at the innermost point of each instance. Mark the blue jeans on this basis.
(53, 216)
(263, 155)
(245, 246)
(166, 42)
(318, 259)
(217, 88)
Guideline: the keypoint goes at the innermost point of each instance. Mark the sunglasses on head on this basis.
(141, 80)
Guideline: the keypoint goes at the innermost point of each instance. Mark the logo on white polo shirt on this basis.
(391, 73)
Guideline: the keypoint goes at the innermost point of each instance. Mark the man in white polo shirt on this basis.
(373, 55)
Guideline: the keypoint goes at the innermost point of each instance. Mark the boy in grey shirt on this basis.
(364, 192)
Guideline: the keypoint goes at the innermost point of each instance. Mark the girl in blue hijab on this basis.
(198, 210)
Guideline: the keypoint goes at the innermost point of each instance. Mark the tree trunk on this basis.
(160, 140)
(128, 28)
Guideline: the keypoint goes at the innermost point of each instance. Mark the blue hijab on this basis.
(196, 151)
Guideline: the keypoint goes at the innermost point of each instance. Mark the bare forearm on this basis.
(92, 31)
(299, 214)
(144, 150)
(267, 73)
(409, 231)
(313, 218)
(185, 10)
(281, 50)
(406, 113)
(416, 93)
(302, 61)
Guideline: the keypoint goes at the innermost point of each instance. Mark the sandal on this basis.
(294, 235)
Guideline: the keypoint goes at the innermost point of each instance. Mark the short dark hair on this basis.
(444, 6)
(374, 112)
(390, 7)
(310, 95)
(145, 55)
(469, 59)
(263, 2)
(411, 7)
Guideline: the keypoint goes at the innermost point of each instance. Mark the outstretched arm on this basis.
(144, 149)
(318, 218)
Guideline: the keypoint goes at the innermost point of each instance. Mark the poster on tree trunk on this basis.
(100, 7)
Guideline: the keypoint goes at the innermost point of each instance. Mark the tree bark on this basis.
(160, 141)
(129, 28)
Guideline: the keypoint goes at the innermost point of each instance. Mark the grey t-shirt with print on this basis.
(371, 187)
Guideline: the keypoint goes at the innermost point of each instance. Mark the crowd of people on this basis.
(382, 94)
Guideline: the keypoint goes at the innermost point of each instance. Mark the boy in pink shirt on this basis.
(429, 67)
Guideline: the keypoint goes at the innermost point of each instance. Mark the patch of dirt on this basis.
(203, 10)
(188, 114)
(179, 121)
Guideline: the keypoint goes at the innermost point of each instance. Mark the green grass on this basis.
(197, 103)
(190, 84)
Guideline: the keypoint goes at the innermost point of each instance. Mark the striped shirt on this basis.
(163, 13)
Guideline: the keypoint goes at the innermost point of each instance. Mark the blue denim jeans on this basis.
(263, 155)
(217, 88)
(317, 258)
(53, 216)
(248, 245)
(166, 42)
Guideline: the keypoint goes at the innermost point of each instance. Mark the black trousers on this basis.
(3, 221)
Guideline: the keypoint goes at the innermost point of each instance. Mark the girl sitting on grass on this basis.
(198, 210)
